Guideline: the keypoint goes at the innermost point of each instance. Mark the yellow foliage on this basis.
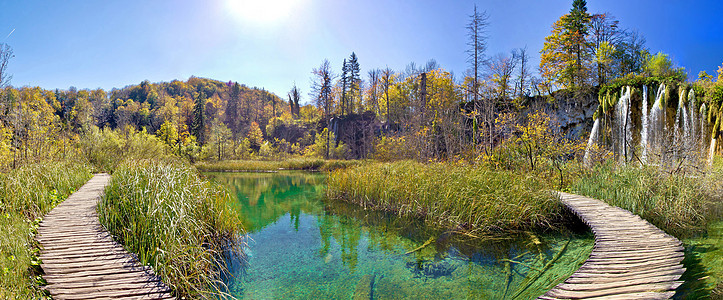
(530, 143)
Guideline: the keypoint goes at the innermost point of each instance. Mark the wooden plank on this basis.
(96, 276)
(643, 288)
(148, 295)
(88, 245)
(102, 283)
(593, 286)
(636, 251)
(63, 269)
(83, 257)
(670, 270)
(600, 280)
(638, 258)
(122, 288)
(69, 264)
(644, 295)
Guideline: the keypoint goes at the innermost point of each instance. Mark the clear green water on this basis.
(303, 246)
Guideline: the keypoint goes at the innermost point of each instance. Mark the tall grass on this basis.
(310, 164)
(26, 194)
(680, 205)
(475, 199)
(174, 221)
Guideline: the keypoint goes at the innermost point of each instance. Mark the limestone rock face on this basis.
(572, 114)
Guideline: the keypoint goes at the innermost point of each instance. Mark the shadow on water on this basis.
(304, 246)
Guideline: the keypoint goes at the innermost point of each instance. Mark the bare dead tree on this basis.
(387, 74)
(321, 92)
(477, 43)
(372, 99)
(521, 86)
(6, 53)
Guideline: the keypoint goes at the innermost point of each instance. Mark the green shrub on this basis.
(106, 148)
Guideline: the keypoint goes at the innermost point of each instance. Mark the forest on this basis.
(504, 124)
(422, 112)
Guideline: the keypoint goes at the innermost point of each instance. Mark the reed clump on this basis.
(308, 164)
(678, 204)
(26, 194)
(174, 221)
(462, 196)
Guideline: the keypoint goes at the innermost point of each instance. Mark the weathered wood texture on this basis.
(82, 261)
(632, 259)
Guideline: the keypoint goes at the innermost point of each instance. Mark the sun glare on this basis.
(261, 12)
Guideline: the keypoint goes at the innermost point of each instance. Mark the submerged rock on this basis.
(431, 269)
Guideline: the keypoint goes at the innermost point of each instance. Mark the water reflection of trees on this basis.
(347, 223)
(262, 198)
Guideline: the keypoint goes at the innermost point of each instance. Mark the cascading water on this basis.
(679, 128)
(591, 141)
(694, 131)
(703, 129)
(686, 143)
(622, 116)
(657, 120)
(644, 127)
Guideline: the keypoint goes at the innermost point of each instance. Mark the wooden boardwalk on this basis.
(632, 259)
(82, 261)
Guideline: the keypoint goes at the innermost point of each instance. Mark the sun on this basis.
(261, 12)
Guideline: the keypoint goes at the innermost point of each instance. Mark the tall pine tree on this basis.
(198, 127)
(232, 116)
(294, 96)
(354, 82)
(344, 86)
(565, 59)
(576, 25)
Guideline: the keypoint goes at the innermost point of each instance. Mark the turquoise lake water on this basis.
(301, 246)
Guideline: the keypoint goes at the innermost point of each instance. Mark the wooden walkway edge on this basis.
(631, 259)
(82, 261)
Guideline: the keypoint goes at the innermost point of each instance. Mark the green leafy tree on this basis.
(660, 65)
(218, 138)
(168, 133)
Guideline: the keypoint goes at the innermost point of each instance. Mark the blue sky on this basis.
(274, 43)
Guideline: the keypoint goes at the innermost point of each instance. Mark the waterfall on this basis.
(644, 129)
(676, 125)
(591, 141)
(657, 122)
(665, 139)
(703, 130)
(693, 130)
(622, 115)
